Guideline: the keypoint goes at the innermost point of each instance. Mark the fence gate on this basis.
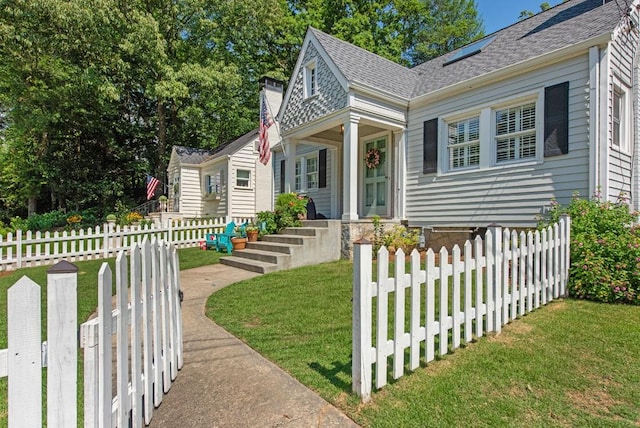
(147, 326)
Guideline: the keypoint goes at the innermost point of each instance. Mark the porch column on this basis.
(399, 142)
(350, 169)
(289, 164)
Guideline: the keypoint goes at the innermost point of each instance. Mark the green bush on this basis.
(400, 237)
(605, 249)
(290, 210)
(268, 218)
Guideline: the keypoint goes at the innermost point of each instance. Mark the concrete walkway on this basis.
(223, 382)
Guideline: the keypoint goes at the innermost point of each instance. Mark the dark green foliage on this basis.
(268, 219)
(605, 249)
(290, 210)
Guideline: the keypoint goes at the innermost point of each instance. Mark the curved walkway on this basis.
(223, 382)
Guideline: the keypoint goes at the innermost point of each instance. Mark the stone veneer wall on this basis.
(356, 230)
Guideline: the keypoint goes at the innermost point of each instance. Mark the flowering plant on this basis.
(372, 158)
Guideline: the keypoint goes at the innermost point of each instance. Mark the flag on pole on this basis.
(152, 185)
(263, 136)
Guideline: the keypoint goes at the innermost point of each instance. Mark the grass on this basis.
(87, 299)
(571, 363)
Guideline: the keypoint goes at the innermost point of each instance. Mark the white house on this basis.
(489, 133)
(228, 181)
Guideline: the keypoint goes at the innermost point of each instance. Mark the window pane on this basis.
(528, 146)
(528, 117)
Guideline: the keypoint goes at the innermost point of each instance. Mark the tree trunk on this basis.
(32, 205)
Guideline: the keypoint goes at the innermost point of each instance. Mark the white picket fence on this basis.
(145, 324)
(490, 284)
(27, 249)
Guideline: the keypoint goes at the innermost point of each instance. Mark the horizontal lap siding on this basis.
(190, 192)
(512, 196)
(243, 201)
(621, 72)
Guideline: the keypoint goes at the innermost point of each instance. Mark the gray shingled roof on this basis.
(190, 155)
(564, 25)
(361, 66)
(193, 156)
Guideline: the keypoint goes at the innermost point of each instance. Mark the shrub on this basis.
(605, 249)
(131, 217)
(400, 237)
(268, 218)
(290, 210)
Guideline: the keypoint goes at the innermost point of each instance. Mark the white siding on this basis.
(243, 200)
(621, 74)
(190, 192)
(510, 195)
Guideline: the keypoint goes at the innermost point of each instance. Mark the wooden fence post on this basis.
(496, 281)
(24, 356)
(62, 343)
(361, 364)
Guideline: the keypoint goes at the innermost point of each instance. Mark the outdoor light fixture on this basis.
(342, 129)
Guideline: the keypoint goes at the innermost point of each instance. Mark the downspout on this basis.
(603, 119)
(594, 120)
(635, 154)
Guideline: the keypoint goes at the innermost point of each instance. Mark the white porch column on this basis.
(335, 199)
(290, 164)
(350, 170)
(399, 142)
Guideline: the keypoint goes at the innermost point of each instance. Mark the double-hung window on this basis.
(243, 178)
(515, 133)
(463, 143)
(306, 173)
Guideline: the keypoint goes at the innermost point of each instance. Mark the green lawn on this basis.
(87, 297)
(572, 363)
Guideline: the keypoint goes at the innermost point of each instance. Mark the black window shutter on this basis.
(556, 120)
(430, 147)
(282, 171)
(322, 168)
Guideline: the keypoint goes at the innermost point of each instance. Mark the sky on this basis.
(498, 14)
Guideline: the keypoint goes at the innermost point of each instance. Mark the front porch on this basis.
(351, 165)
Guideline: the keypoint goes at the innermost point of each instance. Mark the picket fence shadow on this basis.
(28, 249)
(489, 284)
(145, 324)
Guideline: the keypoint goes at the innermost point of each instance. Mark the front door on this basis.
(375, 177)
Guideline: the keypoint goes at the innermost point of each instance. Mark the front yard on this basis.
(572, 363)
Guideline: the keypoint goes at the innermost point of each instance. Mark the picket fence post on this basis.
(361, 366)
(62, 346)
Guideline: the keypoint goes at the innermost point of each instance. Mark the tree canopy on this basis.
(93, 93)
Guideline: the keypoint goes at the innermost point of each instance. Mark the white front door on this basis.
(375, 164)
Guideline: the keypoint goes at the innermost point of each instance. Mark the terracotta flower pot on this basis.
(252, 235)
(239, 243)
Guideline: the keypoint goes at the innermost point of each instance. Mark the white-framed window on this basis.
(312, 172)
(463, 143)
(298, 175)
(214, 182)
(310, 79)
(306, 172)
(515, 133)
(243, 178)
(620, 117)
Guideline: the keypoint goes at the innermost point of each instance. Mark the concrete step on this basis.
(315, 223)
(260, 255)
(269, 246)
(304, 231)
(248, 264)
(285, 239)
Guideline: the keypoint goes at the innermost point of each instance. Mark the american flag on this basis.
(263, 136)
(152, 185)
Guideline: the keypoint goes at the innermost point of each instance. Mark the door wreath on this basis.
(372, 158)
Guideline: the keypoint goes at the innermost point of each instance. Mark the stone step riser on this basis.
(269, 246)
(261, 257)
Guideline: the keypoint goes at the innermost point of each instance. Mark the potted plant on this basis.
(252, 232)
(239, 241)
